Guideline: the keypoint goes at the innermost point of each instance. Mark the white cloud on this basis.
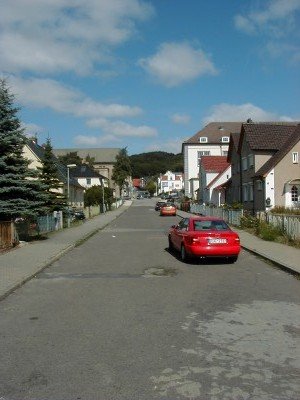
(87, 141)
(49, 93)
(180, 119)
(278, 18)
(170, 146)
(114, 131)
(289, 51)
(231, 112)
(32, 129)
(65, 35)
(120, 128)
(177, 63)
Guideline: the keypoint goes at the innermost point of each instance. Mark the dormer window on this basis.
(203, 139)
(225, 139)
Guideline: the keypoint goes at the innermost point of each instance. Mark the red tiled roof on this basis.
(214, 163)
(136, 182)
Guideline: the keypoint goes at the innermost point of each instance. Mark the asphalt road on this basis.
(120, 318)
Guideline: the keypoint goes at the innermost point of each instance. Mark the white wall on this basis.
(270, 192)
(190, 156)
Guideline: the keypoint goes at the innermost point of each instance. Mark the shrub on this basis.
(268, 232)
(285, 210)
(248, 221)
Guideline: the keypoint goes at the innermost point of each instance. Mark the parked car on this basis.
(159, 204)
(79, 215)
(204, 237)
(168, 209)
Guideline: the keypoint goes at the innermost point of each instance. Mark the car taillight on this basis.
(192, 240)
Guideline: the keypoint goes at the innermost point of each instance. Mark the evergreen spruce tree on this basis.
(122, 168)
(21, 194)
(49, 177)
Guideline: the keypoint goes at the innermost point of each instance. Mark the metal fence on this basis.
(231, 216)
(50, 222)
(289, 224)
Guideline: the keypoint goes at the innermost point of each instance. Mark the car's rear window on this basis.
(215, 225)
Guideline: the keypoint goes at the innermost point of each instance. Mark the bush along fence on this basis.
(286, 223)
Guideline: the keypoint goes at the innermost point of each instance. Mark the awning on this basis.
(294, 181)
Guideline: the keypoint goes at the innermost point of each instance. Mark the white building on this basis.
(170, 182)
(212, 140)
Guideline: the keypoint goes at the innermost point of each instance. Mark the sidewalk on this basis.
(286, 257)
(21, 264)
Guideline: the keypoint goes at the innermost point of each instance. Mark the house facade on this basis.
(88, 177)
(70, 188)
(265, 166)
(212, 140)
(104, 160)
(170, 182)
(213, 172)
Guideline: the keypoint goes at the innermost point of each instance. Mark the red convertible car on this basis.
(204, 237)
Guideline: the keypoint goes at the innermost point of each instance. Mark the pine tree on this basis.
(49, 177)
(21, 194)
(122, 168)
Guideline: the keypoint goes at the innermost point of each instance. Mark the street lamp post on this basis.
(103, 204)
(68, 190)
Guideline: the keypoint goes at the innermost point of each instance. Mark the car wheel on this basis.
(183, 254)
(232, 260)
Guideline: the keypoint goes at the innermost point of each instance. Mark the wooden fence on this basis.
(8, 235)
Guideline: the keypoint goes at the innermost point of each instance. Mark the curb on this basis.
(284, 267)
(56, 257)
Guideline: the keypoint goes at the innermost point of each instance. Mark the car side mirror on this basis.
(174, 226)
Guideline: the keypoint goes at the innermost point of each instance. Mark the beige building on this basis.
(265, 166)
(104, 161)
(34, 153)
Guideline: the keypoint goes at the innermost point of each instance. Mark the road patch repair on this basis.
(159, 272)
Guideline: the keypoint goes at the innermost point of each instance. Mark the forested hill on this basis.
(154, 163)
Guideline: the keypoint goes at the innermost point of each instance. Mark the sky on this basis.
(148, 74)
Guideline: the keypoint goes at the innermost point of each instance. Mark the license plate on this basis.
(217, 241)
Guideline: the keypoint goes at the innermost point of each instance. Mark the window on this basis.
(250, 186)
(225, 139)
(245, 191)
(295, 158)
(259, 185)
(224, 153)
(244, 163)
(203, 139)
(294, 193)
(202, 153)
(88, 181)
(250, 160)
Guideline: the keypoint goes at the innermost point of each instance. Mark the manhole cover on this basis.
(159, 272)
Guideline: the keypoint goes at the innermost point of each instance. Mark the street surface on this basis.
(120, 318)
